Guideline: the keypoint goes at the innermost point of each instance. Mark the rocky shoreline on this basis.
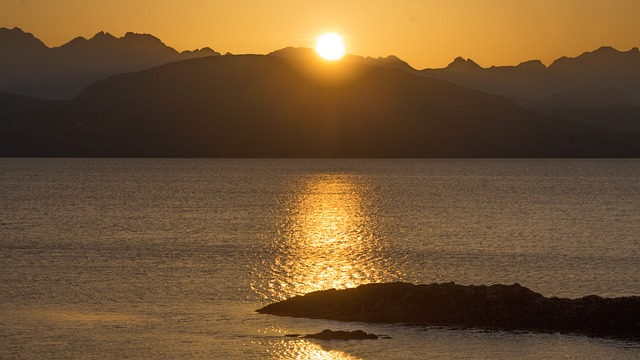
(328, 334)
(504, 307)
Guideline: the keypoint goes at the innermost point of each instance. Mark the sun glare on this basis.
(330, 46)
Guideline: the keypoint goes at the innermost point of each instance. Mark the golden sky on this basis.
(425, 33)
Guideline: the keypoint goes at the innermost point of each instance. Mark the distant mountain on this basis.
(390, 61)
(604, 69)
(603, 78)
(578, 98)
(288, 106)
(11, 104)
(613, 119)
(29, 67)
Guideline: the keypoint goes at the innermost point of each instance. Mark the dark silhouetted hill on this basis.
(579, 98)
(29, 67)
(599, 88)
(614, 119)
(283, 106)
(306, 53)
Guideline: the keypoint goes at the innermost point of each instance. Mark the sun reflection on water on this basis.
(327, 237)
(303, 349)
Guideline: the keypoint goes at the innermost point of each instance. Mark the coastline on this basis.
(500, 307)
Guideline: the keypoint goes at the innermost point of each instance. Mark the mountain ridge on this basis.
(34, 69)
(572, 118)
(54, 76)
(603, 68)
(274, 106)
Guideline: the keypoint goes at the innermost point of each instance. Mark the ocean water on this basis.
(169, 258)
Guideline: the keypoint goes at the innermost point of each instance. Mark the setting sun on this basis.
(330, 46)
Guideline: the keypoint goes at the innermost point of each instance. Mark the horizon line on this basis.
(222, 53)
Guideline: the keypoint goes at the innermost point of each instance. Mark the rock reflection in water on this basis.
(327, 237)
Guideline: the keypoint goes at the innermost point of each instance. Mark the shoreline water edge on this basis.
(500, 307)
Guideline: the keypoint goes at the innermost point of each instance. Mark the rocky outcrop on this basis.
(506, 307)
(327, 334)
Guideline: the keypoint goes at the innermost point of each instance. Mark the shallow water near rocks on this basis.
(170, 258)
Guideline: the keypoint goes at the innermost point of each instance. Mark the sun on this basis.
(330, 46)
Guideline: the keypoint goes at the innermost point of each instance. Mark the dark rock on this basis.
(507, 307)
(341, 335)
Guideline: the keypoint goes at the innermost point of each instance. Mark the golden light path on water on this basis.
(303, 349)
(327, 236)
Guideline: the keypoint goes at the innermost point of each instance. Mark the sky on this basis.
(425, 33)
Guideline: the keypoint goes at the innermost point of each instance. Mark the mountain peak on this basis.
(142, 37)
(103, 36)
(205, 51)
(603, 56)
(390, 61)
(16, 39)
(393, 61)
(532, 65)
(606, 49)
(304, 53)
(15, 30)
(295, 52)
(460, 63)
(31, 65)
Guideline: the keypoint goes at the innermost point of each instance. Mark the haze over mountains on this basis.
(292, 104)
(604, 77)
(599, 88)
(29, 67)
(275, 106)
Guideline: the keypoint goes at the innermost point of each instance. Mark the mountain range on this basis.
(290, 103)
(29, 67)
(599, 88)
(279, 106)
(604, 77)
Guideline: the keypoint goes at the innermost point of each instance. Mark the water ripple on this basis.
(326, 236)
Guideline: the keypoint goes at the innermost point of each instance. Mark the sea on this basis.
(170, 258)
